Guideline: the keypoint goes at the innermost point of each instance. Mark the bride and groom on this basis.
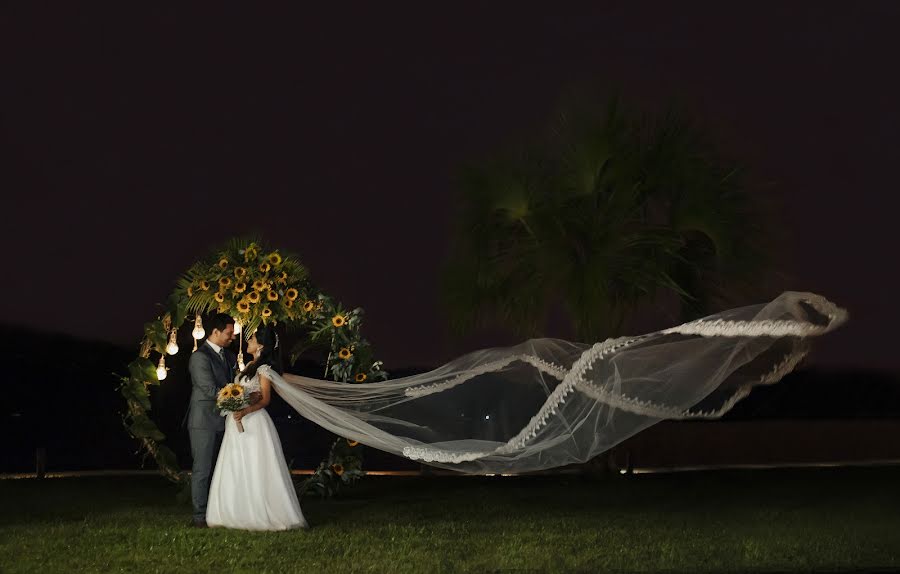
(238, 479)
(603, 393)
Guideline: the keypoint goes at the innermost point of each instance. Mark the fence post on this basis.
(40, 458)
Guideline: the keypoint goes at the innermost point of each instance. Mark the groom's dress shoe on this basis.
(198, 523)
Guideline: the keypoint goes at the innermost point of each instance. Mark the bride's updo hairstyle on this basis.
(271, 353)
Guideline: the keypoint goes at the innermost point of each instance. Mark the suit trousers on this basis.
(205, 444)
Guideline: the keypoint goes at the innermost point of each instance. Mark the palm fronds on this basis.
(608, 212)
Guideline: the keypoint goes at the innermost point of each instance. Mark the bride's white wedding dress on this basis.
(251, 486)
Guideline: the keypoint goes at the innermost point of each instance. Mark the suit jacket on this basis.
(208, 375)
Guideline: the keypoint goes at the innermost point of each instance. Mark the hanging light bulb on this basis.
(161, 369)
(240, 357)
(172, 347)
(198, 331)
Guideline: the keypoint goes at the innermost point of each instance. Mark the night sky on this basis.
(135, 137)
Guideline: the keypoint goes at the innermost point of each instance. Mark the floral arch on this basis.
(255, 284)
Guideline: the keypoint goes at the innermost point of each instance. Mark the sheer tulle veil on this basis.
(547, 402)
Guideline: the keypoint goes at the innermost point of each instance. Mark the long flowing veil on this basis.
(547, 402)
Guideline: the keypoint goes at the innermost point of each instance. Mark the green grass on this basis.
(759, 521)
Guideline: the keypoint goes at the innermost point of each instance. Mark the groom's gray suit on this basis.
(210, 372)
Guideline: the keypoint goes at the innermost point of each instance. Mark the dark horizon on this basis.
(63, 422)
(132, 137)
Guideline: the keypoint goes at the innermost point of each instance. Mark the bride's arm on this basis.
(265, 390)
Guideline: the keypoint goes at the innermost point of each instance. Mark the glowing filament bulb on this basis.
(172, 347)
(161, 369)
(198, 331)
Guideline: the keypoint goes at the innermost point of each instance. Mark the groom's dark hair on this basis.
(219, 321)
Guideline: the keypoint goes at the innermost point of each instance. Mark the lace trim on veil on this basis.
(767, 327)
(574, 378)
(660, 411)
(547, 367)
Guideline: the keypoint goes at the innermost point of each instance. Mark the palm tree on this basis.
(605, 214)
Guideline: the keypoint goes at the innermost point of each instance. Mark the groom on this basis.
(211, 367)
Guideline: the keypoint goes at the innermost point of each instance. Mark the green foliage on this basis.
(143, 370)
(342, 467)
(350, 357)
(135, 390)
(605, 213)
(142, 427)
(178, 308)
(155, 333)
(165, 456)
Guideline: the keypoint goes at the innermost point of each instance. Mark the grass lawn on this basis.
(725, 521)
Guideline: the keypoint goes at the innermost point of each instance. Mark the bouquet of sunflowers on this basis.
(231, 398)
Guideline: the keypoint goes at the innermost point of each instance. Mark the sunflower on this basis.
(287, 303)
(275, 259)
(240, 287)
(250, 254)
(223, 263)
(308, 306)
(219, 297)
(243, 306)
(272, 295)
(237, 390)
(264, 267)
(352, 442)
(225, 282)
(204, 285)
(253, 297)
(338, 320)
(338, 469)
(292, 294)
(239, 272)
(259, 285)
(360, 377)
(223, 307)
(266, 312)
(345, 353)
(284, 275)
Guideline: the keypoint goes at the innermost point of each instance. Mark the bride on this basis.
(251, 486)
